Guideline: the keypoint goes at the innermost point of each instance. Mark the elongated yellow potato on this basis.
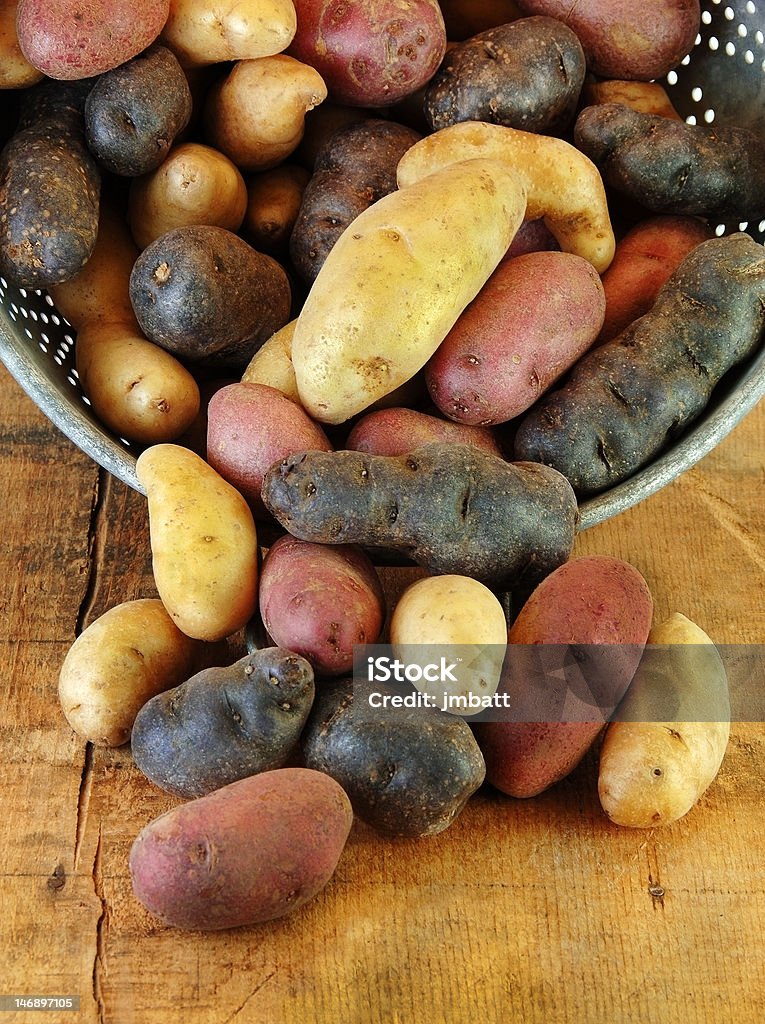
(563, 185)
(203, 543)
(666, 748)
(395, 282)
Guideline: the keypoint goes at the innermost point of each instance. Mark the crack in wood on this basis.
(83, 802)
(255, 991)
(102, 928)
(95, 548)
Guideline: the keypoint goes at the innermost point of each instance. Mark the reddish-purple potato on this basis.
(397, 431)
(68, 40)
(251, 426)
(252, 851)
(370, 53)
(530, 322)
(319, 600)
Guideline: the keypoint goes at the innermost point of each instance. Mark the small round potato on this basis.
(458, 618)
(125, 657)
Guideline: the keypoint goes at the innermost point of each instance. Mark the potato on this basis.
(409, 771)
(15, 70)
(123, 658)
(134, 112)
(320, 124)
(668, 166)
(72, 41)
(272, 364)
(256, 113)
(320, 600)
(650, 97)
(252, 851)
(561, 183)
(645, 258)
(527, 74)
(232, 30)
(458, 618)
(652, 770)
(626, 400)
(626, 40)
(573, 650)
(449, 507)
(195, 184)
(251, 426)
(49, 189)
(203, 543)
(399, 430)
(356, 167)
(224, 723)
(534, 317)
(136, 389)
(353, 345)
(370, 53)
(273, 205)
(204, 294)
(532, 236)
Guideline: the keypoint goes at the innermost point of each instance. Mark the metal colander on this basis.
(722, 81)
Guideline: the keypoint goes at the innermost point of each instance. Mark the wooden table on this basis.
(530, 911)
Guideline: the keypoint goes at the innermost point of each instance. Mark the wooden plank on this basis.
(535, 910)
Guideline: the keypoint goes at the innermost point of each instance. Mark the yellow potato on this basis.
(137, 389)
(202, 33)
(273, 204)
(195, 184)
(395, 282)
(563, 185)
(15, 70)
(124, 658)
(459, 619)
(256, 114)
(658, 759)
(272, 364)
(203, 543)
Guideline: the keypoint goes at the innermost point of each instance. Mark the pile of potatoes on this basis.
(377, 281)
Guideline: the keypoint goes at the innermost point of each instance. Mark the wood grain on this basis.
(536, 911)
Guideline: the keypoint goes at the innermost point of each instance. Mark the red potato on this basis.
(251, 851)
(69, 41)
(532, 236)
(530, 322)
(370, 53)
(397, 431)
(319, 600)
(251, 426)
(627, 40)
(572, 653)
(645, 258)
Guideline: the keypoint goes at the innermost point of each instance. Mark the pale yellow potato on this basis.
(272, 364)
(395, 282)
(195, 184)
(124, 658)
(459, 619)
(137, 389)
(563, 185)
(15, 70)
(203, 543)
(202, 33)
(256, 114)
(653, 767)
